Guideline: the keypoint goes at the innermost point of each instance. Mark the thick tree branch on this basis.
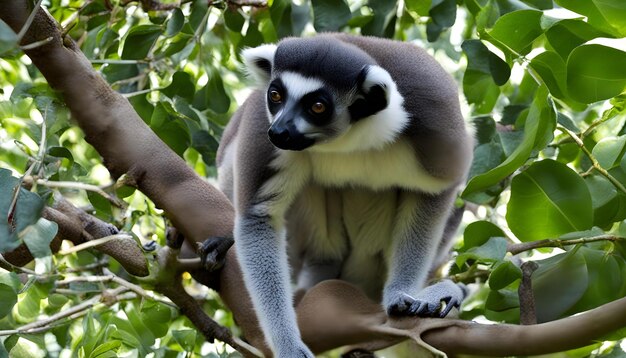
(80, 228)
(125, 142)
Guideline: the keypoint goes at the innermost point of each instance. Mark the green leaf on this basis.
(595, 72)
(102, 205)
(540, 122)
(517, 30)
(107, 347)
(27, 211)
(443, 12)
(479, 232)
(540, 4)
(608, 203)
(504, 274)
(39, 236)
(605, 15)
(484, 72)
(330, 15)
(186, 338)
(485, 129)
(213, 96)
(157, 316)
(144, 334)
(182, 85)
(233, 19)
(602, 288)
(548, 200)
(503, 300)
(8, 297)
(117, 72)
(61, 152)
(8, 38)
(383, 23)
(57, 300)
(566, 35)
(551, 67)
(491, 251)
(442, 16)
(609, 151)
(558, 284)
(139, 41)
(206, 145)
(420, 6)
(175, 23)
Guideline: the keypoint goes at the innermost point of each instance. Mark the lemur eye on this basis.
(275, 96)
(318, 108)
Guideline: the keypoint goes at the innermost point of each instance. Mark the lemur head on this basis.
(317, 88)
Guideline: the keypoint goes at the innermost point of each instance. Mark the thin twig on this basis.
(81, 186)
(9, 266)
(90, 267)
(36, 44)
(29, 21)
(132, 94)
(594, 124)
(525, 246)
(95, 242)
(594, 161)
(118, 280)
(118, 62)
(85, 305)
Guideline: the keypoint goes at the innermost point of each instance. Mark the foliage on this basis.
(544, 81)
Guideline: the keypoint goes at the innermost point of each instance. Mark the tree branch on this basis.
(525, 246)
(127, 145)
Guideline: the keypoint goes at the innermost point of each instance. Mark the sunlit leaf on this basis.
(140, 41)
(547, 200)
(539, 123)
(517, 30)
(595, 72)
(330, 15)
(558, 284)
(503, 275)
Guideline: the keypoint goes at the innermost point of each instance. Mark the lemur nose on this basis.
(280, 135)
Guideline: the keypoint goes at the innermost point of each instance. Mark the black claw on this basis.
(450, 303)
(213, 251)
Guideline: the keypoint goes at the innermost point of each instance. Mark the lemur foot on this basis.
(427, 303)
(213, 251)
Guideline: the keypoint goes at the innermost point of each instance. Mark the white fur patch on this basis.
(297, 85)
(378, 130)
(394, 165)
(252, 55)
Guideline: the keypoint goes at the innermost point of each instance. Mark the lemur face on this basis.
(316, 89)
(304, 111)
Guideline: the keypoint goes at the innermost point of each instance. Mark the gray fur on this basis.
(370, 201)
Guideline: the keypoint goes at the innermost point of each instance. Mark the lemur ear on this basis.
(259, 62)
(374, 85)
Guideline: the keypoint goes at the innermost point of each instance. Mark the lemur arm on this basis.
(262, 254)
(421, 223)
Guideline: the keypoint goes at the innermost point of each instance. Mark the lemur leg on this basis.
(421, 221)
(261, 249)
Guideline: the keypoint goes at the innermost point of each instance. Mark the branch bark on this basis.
(111, 125)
